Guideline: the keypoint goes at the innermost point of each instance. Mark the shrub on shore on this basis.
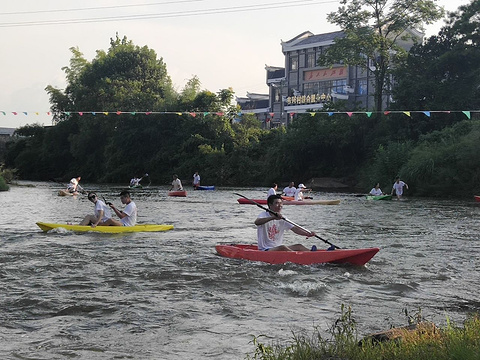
(3, 184)
(447, 343)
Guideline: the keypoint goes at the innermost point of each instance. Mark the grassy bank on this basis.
(426, 342)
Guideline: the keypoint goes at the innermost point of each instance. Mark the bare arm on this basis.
(302, 232)
(120, 214)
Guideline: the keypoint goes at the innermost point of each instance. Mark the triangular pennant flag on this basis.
(426, 113)
(349, 113)
(467, 114)
(179, 113)
(105, 113)
(94, 113)
(4, 113)
(291, 114)
(37, 113)
(148, 113)
(206, 113)
(49, 113)
(386, 112)
(369, 113)
(312, 114)
(407, 113)
(25, 113)
(133, 113)
(193, 114)
(219, 113)
(80, 113)
(330, 113)
(67, 112)
(272, 114)
(118, 112)
(14, 112)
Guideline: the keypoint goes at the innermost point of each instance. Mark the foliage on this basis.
(8, 175)
(429, 168)
(426, 343)
(3, 184)
(432, 154)
(386, 164)
(443, 73)
(373, 32)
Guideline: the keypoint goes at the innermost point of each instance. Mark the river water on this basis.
(168, 295)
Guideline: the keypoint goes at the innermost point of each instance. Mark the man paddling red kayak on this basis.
(271, 226)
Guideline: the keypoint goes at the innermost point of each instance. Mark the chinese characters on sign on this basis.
(308, 99)
(326, 74)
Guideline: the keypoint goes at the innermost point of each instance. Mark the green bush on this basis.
(3, 184)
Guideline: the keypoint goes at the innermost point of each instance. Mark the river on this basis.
(168, 295)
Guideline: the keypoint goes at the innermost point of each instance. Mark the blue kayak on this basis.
(212, 187)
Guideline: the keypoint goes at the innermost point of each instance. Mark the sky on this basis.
(225, 43)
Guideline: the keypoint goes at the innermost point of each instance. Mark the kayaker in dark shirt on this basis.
(270, 228)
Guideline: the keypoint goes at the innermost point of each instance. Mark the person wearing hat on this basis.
(102, 212)
(299, 192)
(128, 217)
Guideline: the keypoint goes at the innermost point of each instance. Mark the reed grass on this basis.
(425, 342)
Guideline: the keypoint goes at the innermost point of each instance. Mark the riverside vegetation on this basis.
(426, 343)
(435, 154)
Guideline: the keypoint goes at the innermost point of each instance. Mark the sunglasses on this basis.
(92, 197)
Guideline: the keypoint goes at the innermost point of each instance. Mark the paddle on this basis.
(105, 201)
(149, 180)
(289, 221)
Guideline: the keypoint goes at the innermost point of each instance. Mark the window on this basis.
(294, 63)
(362, 88)
(339, 86)
(310, 60)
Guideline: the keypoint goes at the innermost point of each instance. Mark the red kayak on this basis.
(337, 256)
(290, 202)
(182, 193)
(477, 198)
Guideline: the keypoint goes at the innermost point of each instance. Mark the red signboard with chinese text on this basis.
(326, 74)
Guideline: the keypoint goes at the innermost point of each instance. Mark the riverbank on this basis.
(422, 340)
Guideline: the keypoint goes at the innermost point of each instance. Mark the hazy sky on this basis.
(226, 43)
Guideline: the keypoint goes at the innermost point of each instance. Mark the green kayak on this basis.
(379, 197)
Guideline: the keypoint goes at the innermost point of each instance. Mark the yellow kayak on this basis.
(106, 229)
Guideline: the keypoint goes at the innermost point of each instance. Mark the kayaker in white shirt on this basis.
(299, 192)
(270, 228)
(74, 186)
(176, 184)
(398, 187)
(376, 191)
(290, 190)
(196, 180)
(128, 217)
(272, 190)
(101, 215)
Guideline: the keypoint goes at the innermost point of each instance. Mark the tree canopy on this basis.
(435, 155)
(374, 34)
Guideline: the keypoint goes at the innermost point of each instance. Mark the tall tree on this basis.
(374, 31)
(443, 73)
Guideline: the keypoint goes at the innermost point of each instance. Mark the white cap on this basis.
(302, 186)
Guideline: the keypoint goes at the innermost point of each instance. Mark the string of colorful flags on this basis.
(467, 113)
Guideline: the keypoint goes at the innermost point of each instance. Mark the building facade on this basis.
(301, 85)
